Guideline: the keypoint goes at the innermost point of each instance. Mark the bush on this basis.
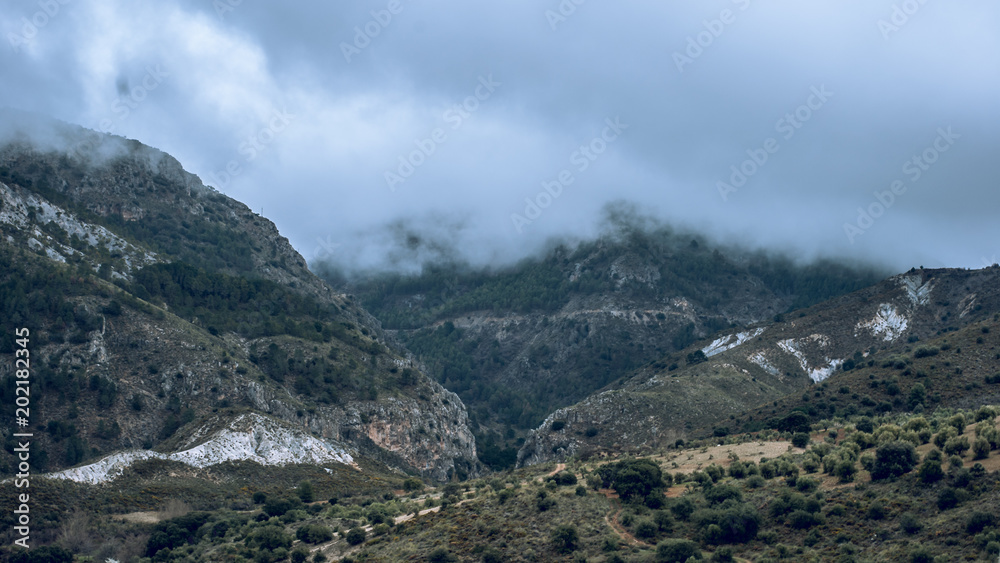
(305, 491)
(802, 519)
(646, 529)
(279, 506)
(356, 536)
(565, 538)
(412, 484)
(43, 554)
(909, 523)
(981, 448)
(894, 459)
(930, 471)
(921, 555)
(800, 439)
(314, 533)
(270, 538)
(441, 555)
(677, 551)
(259, 497)
(978, 522)
(948, 498)
(721, 493)
(632, 478)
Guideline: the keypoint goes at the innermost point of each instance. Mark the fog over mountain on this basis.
(858, 129)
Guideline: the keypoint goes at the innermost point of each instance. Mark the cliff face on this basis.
(157, 302)
(701, 386)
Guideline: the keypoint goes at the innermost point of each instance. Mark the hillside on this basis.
(708, 385)
(155, 303)
(520, 342)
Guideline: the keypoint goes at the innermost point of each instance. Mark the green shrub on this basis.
(565, 538)
(412, 484)
(356, 536)
(259, 497)
(677, 551)
(801, 439)
(909, 523)
(894, 459)
(978, 521)
(801, 519)
(948, 498)
(314, 533)
(441, 555)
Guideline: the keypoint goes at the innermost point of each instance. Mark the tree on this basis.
(800, 439)
(305, 491)
(356, 536)
(894, 459)
(677, 551)
(565, 538)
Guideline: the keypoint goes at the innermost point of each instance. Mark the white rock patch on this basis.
(918, 294)
(887, 323)
(730, 341)
(761, 360)
(259, 439)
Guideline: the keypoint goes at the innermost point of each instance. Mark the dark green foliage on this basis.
(249, 307)
(737, 524)
(176, 532)
(259, 497)
(921, 555)
(720, 493)
(930, 470)
(682, 508)
(800, 439)
(632, 478)
(356, 536)
(270, 538)
(565, 538)
(677, 551)
(894, 459)
(948, 498)
(910, 523)
(795, 421)
(412, 484)
(802, 519)
(305, 491)
(978, 521)
(441, 555)
(279, 506)
(314, 533)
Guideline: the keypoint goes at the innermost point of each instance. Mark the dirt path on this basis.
(559, 467)
(615, 525)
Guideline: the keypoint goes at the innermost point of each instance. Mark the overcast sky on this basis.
(783, 124)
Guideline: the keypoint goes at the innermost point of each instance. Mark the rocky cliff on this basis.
(155, 302)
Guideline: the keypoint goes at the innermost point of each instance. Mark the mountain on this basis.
(519, 342)
(156, 304)
(708, 385)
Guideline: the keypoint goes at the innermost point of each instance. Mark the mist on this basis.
(388, 134)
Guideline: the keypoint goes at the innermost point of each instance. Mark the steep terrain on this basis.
(155, 302)
(708, 383)
(520, 342)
